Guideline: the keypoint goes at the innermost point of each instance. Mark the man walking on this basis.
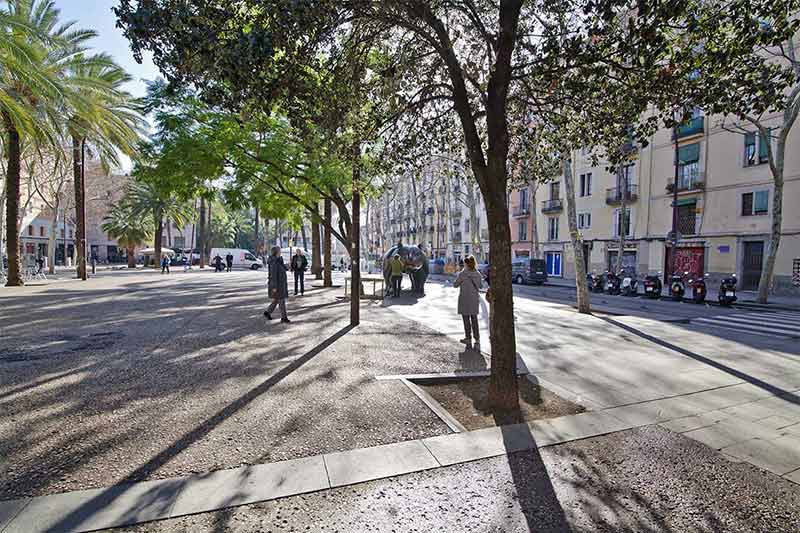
(165, 264)
(299, 266)
(229, 261)
(397, 274)
(277, 286)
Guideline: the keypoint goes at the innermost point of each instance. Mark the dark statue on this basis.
(416, 265)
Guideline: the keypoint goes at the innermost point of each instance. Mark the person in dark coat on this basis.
(165, 264)
(277, 286)
(217, 263)
(299, 267)
(229, 261)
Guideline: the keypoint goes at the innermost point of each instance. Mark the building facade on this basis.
(724, 208)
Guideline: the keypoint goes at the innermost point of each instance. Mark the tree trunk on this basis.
(328, 275)
(775, 235)
(304, 236)
(12, 205)
(623, 217)
(169, 233)
(255, 232)
(51, 241)
(131, 256)
(80, 207)
(575, 237)
(534, 223)
(316, 260)
(201, 238)
(355, 242)
(157, 240)
(503, 388)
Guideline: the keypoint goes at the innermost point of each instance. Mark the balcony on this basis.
(556, 205)
(687, 181)
(615, 196)
(693, 127)
(457, 237)
(521, 211)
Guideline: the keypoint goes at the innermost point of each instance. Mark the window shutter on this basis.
(763, 143)
(760, 202)
(689, 153)
(747, 204)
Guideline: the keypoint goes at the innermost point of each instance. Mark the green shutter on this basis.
(761, 202)
(763, 143)
(687, 201)
(689, 153)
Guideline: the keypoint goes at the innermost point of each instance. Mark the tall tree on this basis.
(128, 228)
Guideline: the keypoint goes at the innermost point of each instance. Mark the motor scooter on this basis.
(612, 283)
(727, 290)
(594, 282)
(677, 287)
(652, 285)
(630, 285)
(698, 286)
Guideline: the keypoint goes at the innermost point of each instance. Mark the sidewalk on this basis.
(169, 498)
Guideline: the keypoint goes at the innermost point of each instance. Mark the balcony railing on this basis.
(522, 211)
(693, 127)
(614, 196)
(552, 206)
(688, 181)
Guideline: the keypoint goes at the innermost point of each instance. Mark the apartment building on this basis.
(440, 210)
(724, 208)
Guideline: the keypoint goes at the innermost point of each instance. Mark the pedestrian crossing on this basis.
(784, 324)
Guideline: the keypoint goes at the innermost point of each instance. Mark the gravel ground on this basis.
(647, 479)
(137, 376)
(468, 401)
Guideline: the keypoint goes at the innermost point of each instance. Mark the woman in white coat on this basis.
(469, 281)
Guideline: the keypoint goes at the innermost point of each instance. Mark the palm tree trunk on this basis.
(12, 204)
(201, 238)
(80, 207)
(131, 256)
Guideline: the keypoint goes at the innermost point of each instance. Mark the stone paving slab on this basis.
(480, 444)
(249, 484)
(87, 510)
(793, 476)
(780, 456)
(9, 509)
(365, 464)
(574, 427)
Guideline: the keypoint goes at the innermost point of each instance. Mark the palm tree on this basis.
(146, 200)
(27, 85)
(105, 115)
(129, 230)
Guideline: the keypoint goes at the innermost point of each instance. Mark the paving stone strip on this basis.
(121, 505)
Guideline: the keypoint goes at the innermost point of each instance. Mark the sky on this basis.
(97, 15)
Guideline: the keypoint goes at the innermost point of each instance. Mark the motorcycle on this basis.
(594, 282)
(677, 287)
(698, 289)
(652, 285)
(630, 285)
(727, 290)
(612, 283)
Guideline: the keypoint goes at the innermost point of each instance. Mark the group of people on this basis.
(278, 284)
(228, 263)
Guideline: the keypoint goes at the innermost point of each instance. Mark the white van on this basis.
(241, 257)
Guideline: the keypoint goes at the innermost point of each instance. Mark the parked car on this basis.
(528, 271)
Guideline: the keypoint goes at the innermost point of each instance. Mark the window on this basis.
(755, 203)
(62, 233)
(688, 166)
(763, 147)
(523, 199)
(622, 220)
(553, 263)
(522, 231)
(749, 149)
(554, 190)
(586, 184)
(30, 231)
(626, 175)
(687, 216)
(41, 231)
(584, 220)
(552, 229)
